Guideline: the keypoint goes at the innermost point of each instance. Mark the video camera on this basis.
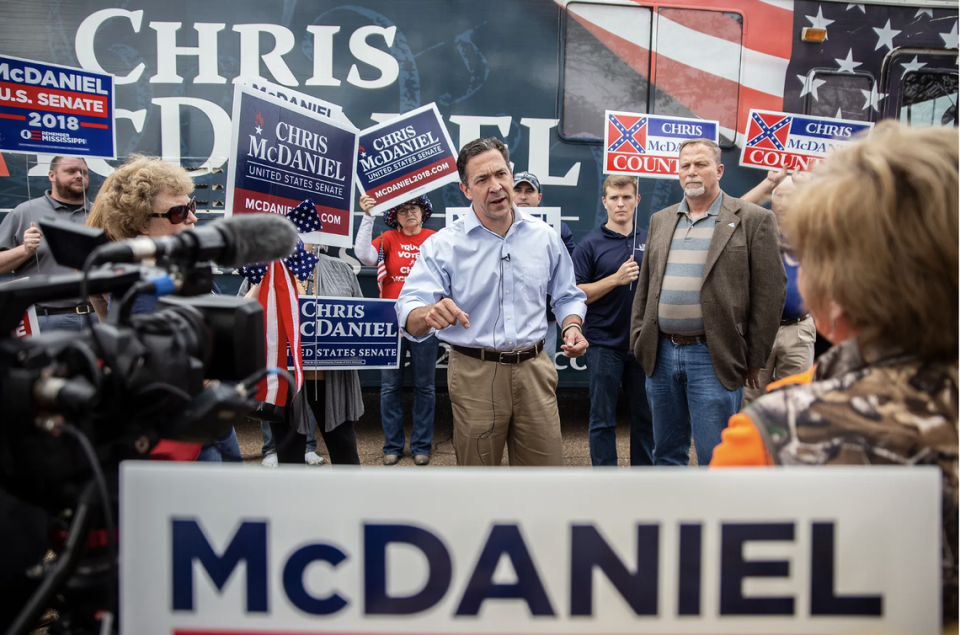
(74, 405)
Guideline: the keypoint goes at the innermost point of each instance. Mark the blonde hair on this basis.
(125, 201)
(875, 230)
(95, 220)
(619, 180)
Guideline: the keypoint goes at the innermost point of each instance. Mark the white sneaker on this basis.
(270, 460)
(312, 458)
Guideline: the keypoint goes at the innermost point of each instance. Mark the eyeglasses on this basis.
(408, 211)
(179, 213)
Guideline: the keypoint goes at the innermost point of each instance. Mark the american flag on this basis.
(381, 266)
(693, 55)
(281, 316)
(301, 262)
(280, 300)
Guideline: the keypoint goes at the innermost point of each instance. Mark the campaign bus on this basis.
(539, 74)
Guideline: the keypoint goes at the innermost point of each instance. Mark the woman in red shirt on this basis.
(401, 247)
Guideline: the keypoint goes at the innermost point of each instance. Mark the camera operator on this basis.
(149, 197)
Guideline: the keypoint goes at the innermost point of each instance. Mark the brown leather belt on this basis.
(503, 357)
(80, 309)
(794, 320)
(684, 340)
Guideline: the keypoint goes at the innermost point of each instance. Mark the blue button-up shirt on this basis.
(501, 283)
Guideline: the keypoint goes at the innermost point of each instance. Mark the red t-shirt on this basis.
(399, 253)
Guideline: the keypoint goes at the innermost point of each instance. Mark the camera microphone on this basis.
(507, 258)
(232, 242)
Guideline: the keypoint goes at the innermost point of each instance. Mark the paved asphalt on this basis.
(574, 407)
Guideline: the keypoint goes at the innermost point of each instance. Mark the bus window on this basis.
(841, 95)
(606, 65)
(698, 67)
(928, 98)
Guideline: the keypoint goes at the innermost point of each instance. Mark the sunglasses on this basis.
(179, 213)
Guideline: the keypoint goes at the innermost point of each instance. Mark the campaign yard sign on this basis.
(776, 140)
(648, 146)
(317, 105)
(348, 333)
(53, 109)
(406, 157)
(282, 154)
(227, 550)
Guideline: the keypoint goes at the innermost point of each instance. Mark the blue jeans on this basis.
(423, 359)
(609, 368)
(63, 322)
(226, 449)
(685, 394)
(269, 447)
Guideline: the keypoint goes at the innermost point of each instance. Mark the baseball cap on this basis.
(528, 177)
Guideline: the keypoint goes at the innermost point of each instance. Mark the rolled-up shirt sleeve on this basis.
(10, 234)
(427, 284)
(567, 298)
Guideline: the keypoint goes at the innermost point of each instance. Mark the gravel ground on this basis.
(574, 407)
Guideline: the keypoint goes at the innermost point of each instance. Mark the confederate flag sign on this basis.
(777, 140)
(648, 145)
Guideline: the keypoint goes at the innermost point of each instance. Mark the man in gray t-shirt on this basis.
(23, 250)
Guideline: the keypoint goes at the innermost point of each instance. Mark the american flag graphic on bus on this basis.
(700, 61)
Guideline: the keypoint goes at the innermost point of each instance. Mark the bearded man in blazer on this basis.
(707, 307)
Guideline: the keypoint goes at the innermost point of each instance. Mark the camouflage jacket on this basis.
(894, 410)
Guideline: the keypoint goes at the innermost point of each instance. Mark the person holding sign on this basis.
(23, 250)
(395, 252)
(875, 232)
(707, 307)
(481, 285)
(607, 264)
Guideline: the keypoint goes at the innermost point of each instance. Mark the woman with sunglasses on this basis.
(401, 247)
(149, 197)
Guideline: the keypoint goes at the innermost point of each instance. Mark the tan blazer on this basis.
(744, 287)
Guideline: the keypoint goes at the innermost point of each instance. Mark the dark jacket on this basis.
(744, 287)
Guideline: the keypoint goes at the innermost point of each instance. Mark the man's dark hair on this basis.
(57, 160)
(479, 146)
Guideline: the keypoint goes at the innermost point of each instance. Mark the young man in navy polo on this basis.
(607, 264)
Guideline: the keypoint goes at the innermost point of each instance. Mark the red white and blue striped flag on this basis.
(381, 266)
(281, 302)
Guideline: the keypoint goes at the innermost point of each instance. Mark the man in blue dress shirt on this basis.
(607, 264)
(481, 285)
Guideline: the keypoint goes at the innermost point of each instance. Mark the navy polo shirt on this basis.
(598, 255)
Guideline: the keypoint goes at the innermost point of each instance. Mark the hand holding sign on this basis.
(31, 239)
(776, 177)
(366, 204)
(628, 272)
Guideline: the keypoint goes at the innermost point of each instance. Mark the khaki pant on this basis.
(496, 403)
(792, 353)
